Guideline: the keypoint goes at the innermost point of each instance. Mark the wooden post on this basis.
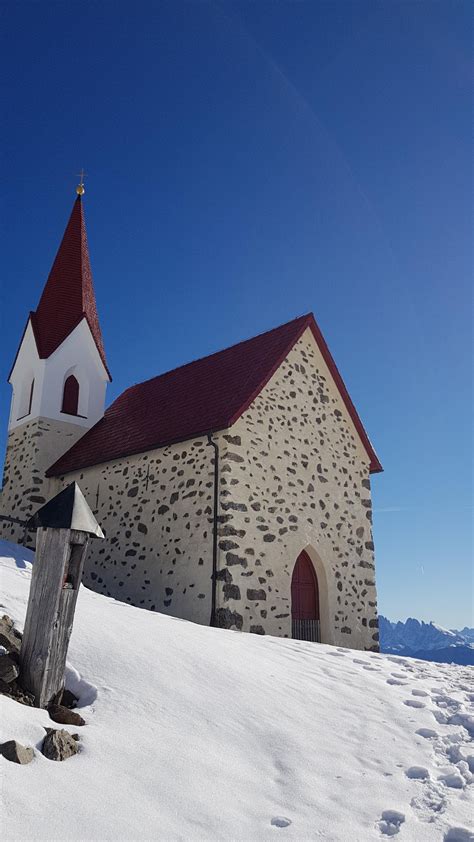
(63, 529)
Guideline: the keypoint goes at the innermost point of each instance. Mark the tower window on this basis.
(70, 396)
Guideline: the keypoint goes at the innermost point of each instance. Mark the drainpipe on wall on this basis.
(215, 516)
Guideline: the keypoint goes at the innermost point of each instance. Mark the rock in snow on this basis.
(65, 716)
(8, 669)
(201, 734)
(16, 753)
(59, 745)
(10, 637)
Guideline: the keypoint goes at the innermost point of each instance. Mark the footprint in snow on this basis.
(280, 821)
(396, 682)
(458, 834)
(390, 823)
(447, 703)
(358, 661)
(399, 674)
(427, 733)
(418, 773)
(453, 779)
(422, 693)
(414, 703)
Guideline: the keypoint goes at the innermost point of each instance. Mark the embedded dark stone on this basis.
(231, 530)
(374, 624)
(224, 575)
(256, 595)
(225, 619)
(233, 457)
(339, 586)
(228, 545)
(257, 630)
(236, 507)
(142, 528)
(367, 503)
(366, 483)
(174, 497)
(231, 591)
(268, 537)
(233, 439)
(163, 509)
(231, 559)
(346, 630)
(369, 545)
(133, 491)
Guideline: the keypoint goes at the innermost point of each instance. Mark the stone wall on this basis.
(32, 447)
(156, 510)
(295, 476)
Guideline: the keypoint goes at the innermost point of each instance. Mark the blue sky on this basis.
(247, 163)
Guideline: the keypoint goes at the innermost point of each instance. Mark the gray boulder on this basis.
(17, 753)
(10, 638)
(59, 745)
(8, 669)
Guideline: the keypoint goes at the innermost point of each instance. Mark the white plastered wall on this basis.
(77, 355)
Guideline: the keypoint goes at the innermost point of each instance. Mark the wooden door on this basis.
(305, 600)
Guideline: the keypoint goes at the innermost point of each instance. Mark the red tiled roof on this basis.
(68, 295)
(204, 396)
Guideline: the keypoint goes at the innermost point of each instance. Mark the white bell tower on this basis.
(59, 378)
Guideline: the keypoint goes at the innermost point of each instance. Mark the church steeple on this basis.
(60, 370)
(68, 295)
(59, 376)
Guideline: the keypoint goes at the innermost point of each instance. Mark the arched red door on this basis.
(305, 600)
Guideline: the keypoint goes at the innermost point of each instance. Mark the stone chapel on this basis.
(232, 491)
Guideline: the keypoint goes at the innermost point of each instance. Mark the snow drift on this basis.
(195, 733)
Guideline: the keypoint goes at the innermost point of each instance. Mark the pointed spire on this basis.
(68, 296)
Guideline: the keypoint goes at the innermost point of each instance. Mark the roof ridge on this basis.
(205, 395)
(215, 353)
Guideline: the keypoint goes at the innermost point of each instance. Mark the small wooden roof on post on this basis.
(64, 526)
(68, 510)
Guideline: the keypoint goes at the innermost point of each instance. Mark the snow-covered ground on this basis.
(199, 734)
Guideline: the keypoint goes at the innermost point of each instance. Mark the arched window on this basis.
(26, 400)
(70, 396)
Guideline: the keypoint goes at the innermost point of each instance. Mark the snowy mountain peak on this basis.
(415, 637)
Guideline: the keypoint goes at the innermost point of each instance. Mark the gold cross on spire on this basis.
(80, 189)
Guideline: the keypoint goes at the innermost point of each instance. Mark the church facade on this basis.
(233, 491)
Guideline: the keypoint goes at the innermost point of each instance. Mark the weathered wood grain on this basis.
(50, 612)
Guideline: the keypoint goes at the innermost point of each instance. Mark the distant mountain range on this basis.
(427, 641)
